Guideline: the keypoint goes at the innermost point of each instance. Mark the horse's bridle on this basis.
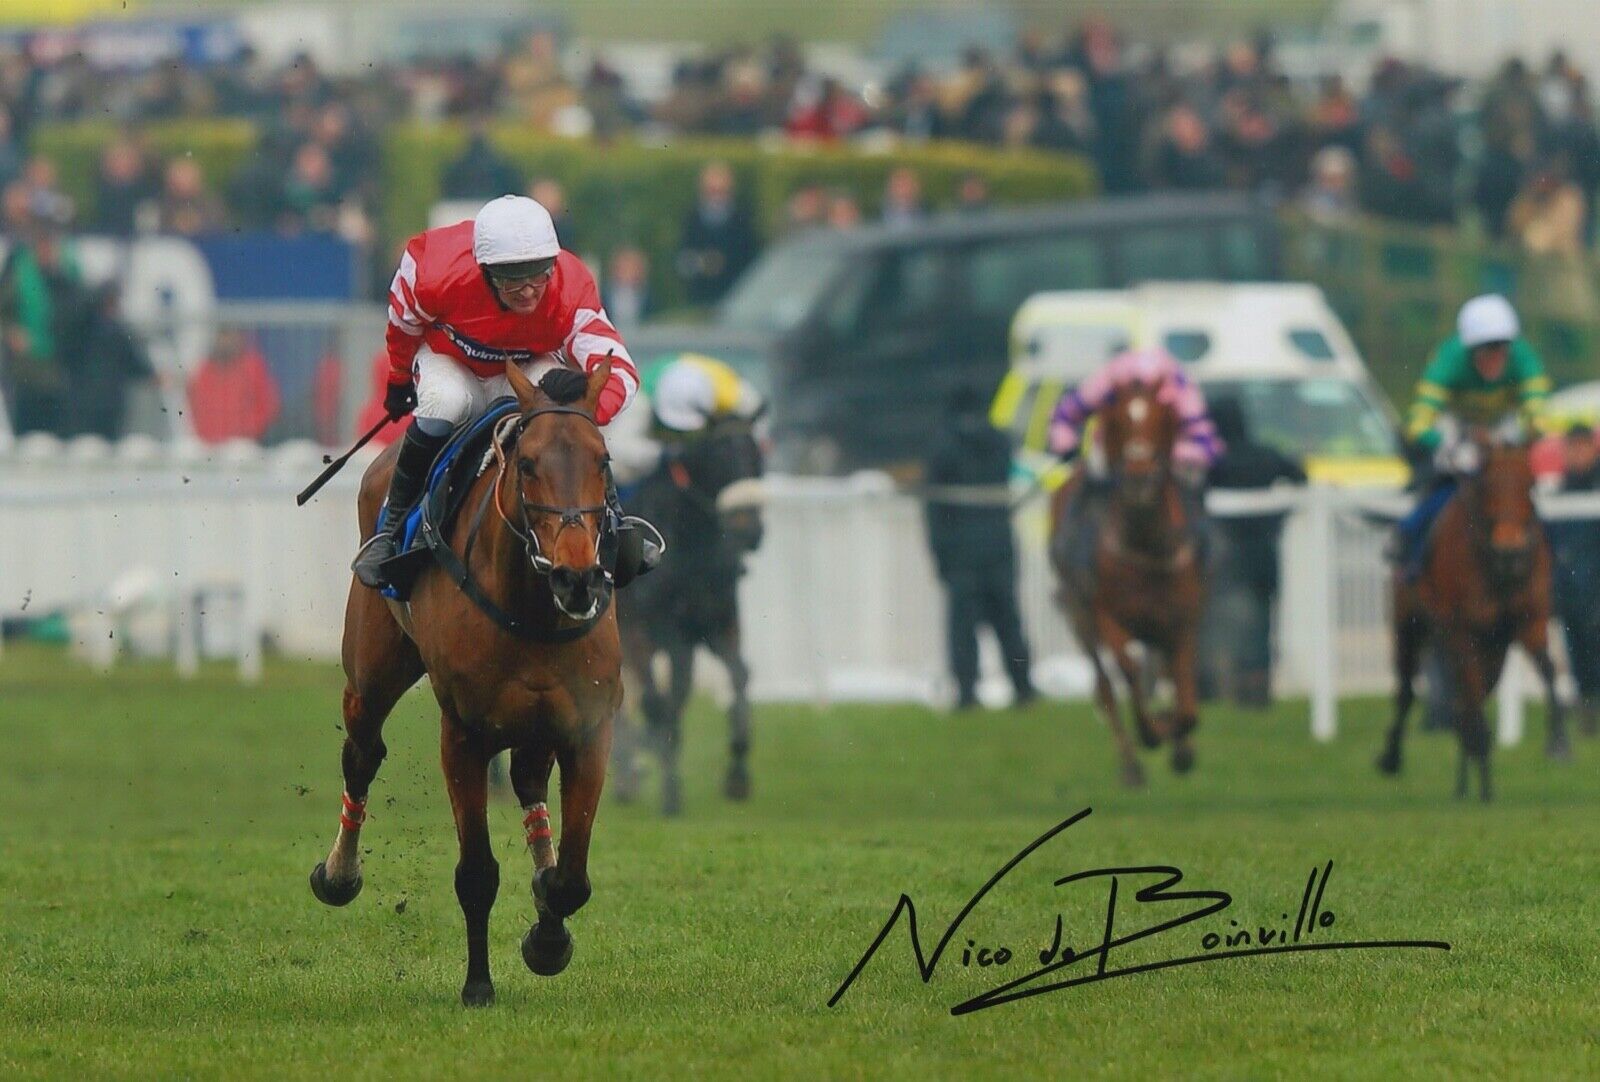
(571, 517)
(1508, 567)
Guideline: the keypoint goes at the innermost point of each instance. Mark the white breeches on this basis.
(449, 393)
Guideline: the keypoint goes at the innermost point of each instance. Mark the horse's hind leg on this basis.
(380, 664)
(736, 784)
(1408, 637)
(1535, 640)
(466, 775)
(562, 890)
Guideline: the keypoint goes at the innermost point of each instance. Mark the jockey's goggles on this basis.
(516, 275)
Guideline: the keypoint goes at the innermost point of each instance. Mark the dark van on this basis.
(859, 336)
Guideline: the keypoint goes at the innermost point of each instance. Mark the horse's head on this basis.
(1502, 492)
(1140, 428)
(554, 487)
(715, 464)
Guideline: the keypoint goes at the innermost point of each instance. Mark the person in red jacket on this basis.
(232, 395)
(467, 299)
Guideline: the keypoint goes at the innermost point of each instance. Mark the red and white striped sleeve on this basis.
(407, 318)
(592, 340)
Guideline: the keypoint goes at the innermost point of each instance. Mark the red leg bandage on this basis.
(537, 823)
(353, 814)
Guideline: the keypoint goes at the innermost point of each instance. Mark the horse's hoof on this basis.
(671, 798)
(477, 994)
(1388, 763)
(736, 786)
(547, 950)
(329, 892)
(1182, 758)
(1133, 776)
(1149, 738)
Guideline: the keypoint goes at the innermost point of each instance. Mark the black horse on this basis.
(692, 598)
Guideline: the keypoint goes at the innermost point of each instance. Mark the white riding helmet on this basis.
(513, 229)
(1489, 318)
(692, 389)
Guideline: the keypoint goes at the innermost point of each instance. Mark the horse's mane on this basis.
(564, 386)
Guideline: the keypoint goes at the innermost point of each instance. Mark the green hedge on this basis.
(1398, 289)
(628, 192)
(220, 145)
(623, 192)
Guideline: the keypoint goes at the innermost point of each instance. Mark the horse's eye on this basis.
(525, 467)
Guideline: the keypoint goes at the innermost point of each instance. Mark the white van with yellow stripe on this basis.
(1277, 348)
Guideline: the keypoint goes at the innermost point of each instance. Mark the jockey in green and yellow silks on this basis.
(1487, 372)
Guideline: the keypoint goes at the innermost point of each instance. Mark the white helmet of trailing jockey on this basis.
(691, 389)
(1485, 319)
(513, 237)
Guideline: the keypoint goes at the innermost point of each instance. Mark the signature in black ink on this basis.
(1061, 966)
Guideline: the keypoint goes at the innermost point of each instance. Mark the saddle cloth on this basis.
(462, 461)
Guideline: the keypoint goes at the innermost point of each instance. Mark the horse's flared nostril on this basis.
(564, 580)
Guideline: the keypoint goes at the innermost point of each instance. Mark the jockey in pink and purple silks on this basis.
(1197, 448)
(1198, 445)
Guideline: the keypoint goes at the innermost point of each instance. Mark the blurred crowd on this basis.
(1519, 156)
(1521, 152)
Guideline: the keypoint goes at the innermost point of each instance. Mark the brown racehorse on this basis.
(1144, 580)
(547, 686)
(1485, 585)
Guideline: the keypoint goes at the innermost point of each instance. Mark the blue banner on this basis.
(267, 267)
(134, 44)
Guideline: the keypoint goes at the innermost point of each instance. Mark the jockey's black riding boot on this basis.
(636, 554)
(417, 452)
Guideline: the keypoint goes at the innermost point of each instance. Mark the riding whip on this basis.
(337, 464)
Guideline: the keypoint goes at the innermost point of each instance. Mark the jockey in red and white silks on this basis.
(468, 298)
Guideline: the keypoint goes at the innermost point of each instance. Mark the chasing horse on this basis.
(701, 496)
(505, 606)
(1473, 561)
(1129, 544)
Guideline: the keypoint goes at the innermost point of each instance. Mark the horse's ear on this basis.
(528, 396)
(597, 383)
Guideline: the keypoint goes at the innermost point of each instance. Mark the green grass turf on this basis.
(155, 921)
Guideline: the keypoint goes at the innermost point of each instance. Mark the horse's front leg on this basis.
(1472, 727)
(736, 785)
(530, 779)
(1186, 697)
(627, 732)
(1132, 772)
(562, 890)
(666, 721)
(1409, 634)
(1120, 643)
(1534, 638)
(380, 664)
(466, 774)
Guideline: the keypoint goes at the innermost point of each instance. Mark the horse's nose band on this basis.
(571, 517)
